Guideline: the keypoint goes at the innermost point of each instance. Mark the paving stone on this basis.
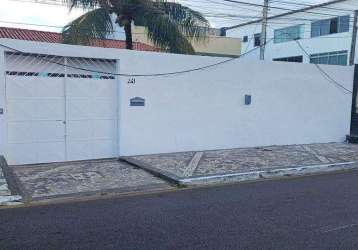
(50, 180)
(3, 187)
(5, 192)
(175, 163)
(252, 159)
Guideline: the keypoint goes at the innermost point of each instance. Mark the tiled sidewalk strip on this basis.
(245, 164)
(83, 178)
(6, 198)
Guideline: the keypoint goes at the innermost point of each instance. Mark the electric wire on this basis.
(144, 75)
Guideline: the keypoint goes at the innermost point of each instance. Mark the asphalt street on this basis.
(316, 212)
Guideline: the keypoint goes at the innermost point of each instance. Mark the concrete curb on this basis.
(269, 174)
(7, 197)
(242, 177)
(154, 171)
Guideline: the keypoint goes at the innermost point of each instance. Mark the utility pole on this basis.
(354, 39)
(264, 30)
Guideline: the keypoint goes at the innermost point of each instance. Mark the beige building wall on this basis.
(213, 45)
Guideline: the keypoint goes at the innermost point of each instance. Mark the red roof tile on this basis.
(53, 37)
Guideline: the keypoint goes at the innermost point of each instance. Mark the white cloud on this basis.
(25, 12)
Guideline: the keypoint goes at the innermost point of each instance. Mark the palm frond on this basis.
(192, 23)
(164, 32)
(95, 24)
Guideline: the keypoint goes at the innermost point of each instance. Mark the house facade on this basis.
(319, 34)
(63, 102)
(214, 45)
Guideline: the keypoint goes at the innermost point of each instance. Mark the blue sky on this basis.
(216, 11)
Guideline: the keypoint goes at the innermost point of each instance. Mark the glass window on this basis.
(330, 26)
(298, 59)
(315, 29)
(314, 60)
(332, 58)
(323, 60)
(288, 34)
(325, 27)
(343, 24)
(342, 59)
(333, 26)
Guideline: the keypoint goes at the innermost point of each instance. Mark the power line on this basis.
(239, 16)
(322, 71)
(310, 5)
(57, 2)
(142, 75)
(279, 8)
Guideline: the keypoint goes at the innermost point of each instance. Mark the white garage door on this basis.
(57, 113)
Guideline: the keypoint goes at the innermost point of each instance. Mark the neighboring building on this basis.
(215, 45)
(53, 37)
(324, 31)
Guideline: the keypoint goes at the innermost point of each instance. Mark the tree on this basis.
(170, 26)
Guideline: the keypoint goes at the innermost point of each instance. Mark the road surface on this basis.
(317, 212)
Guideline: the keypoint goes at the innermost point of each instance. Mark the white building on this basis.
(323, 34)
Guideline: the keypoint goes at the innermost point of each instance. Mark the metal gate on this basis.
(60, 108)
(354, 121)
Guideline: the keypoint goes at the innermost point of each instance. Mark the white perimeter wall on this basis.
(291, 103)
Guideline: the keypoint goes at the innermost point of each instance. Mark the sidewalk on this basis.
(102, 177)
(83, 178)
(234, 165)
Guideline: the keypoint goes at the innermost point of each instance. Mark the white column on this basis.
(119, 109)
(3, 133)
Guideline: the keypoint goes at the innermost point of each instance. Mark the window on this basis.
(297, 59)
(330, 26)
(257, 41)
(288, 34)
(333, 58)
(245, 39)
(333, 28)
(343, 25)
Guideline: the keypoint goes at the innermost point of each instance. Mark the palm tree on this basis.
(170, 26)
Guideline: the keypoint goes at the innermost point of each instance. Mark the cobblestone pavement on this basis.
(250, 159)
(67, 179)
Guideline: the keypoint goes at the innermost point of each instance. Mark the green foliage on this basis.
(95, 24)
(170, 26)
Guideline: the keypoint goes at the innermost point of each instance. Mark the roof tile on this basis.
(53, 37)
